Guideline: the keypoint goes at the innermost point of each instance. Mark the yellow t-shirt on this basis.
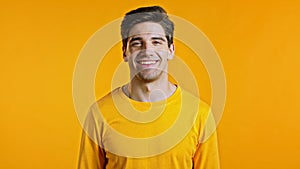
(121, 133)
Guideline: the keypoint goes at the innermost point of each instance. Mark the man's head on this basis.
(147, 42)
(154, 14)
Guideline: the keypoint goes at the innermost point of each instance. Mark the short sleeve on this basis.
(91, 155)
(207, 154)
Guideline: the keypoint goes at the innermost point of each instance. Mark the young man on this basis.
(149, 123)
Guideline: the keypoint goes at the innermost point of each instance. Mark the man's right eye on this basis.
(136, 44)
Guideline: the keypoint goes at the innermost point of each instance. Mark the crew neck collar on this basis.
(172, 97)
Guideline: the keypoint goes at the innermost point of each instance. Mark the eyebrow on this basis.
(158, 38)
(134, 39)
(152, 38)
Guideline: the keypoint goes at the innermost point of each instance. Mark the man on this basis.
(149, 123)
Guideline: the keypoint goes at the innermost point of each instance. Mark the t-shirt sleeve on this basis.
(207, 154)
(91, 155)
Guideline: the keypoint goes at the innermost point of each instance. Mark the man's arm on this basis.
(207, 154)
(91, 155)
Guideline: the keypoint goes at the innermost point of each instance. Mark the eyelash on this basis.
(139, 43)
(136, 43)
(157, 42)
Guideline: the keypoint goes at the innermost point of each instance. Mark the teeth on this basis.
(147, 62)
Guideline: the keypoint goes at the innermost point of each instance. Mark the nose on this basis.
(147, 45)
(147, 48)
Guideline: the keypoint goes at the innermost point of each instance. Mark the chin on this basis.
(149, 77)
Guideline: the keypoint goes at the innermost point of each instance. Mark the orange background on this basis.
(257, 42)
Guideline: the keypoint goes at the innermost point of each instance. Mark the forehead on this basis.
(146, 29)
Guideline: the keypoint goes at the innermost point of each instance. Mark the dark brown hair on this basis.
(147, 14)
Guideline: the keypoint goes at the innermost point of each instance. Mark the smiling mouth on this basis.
(147, 62)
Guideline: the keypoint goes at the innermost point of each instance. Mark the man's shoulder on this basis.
(195, 100)
(104, 103)
(108, 96)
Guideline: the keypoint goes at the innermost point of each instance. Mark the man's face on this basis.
(147, 51)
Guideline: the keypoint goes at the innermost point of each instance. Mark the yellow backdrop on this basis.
(258, 43)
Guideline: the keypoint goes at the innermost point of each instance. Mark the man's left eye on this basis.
(157, 42)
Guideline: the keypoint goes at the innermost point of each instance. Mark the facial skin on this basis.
(147, 52)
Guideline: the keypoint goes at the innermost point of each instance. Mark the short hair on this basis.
(154, 14)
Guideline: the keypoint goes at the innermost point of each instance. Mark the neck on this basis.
(149, 92)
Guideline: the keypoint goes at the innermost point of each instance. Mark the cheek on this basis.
(131, 64)
(131, 60)
(133, 50)
(133, 53)
(163, 54)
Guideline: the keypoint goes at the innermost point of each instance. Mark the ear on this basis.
(171, 52)
(125, 57)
